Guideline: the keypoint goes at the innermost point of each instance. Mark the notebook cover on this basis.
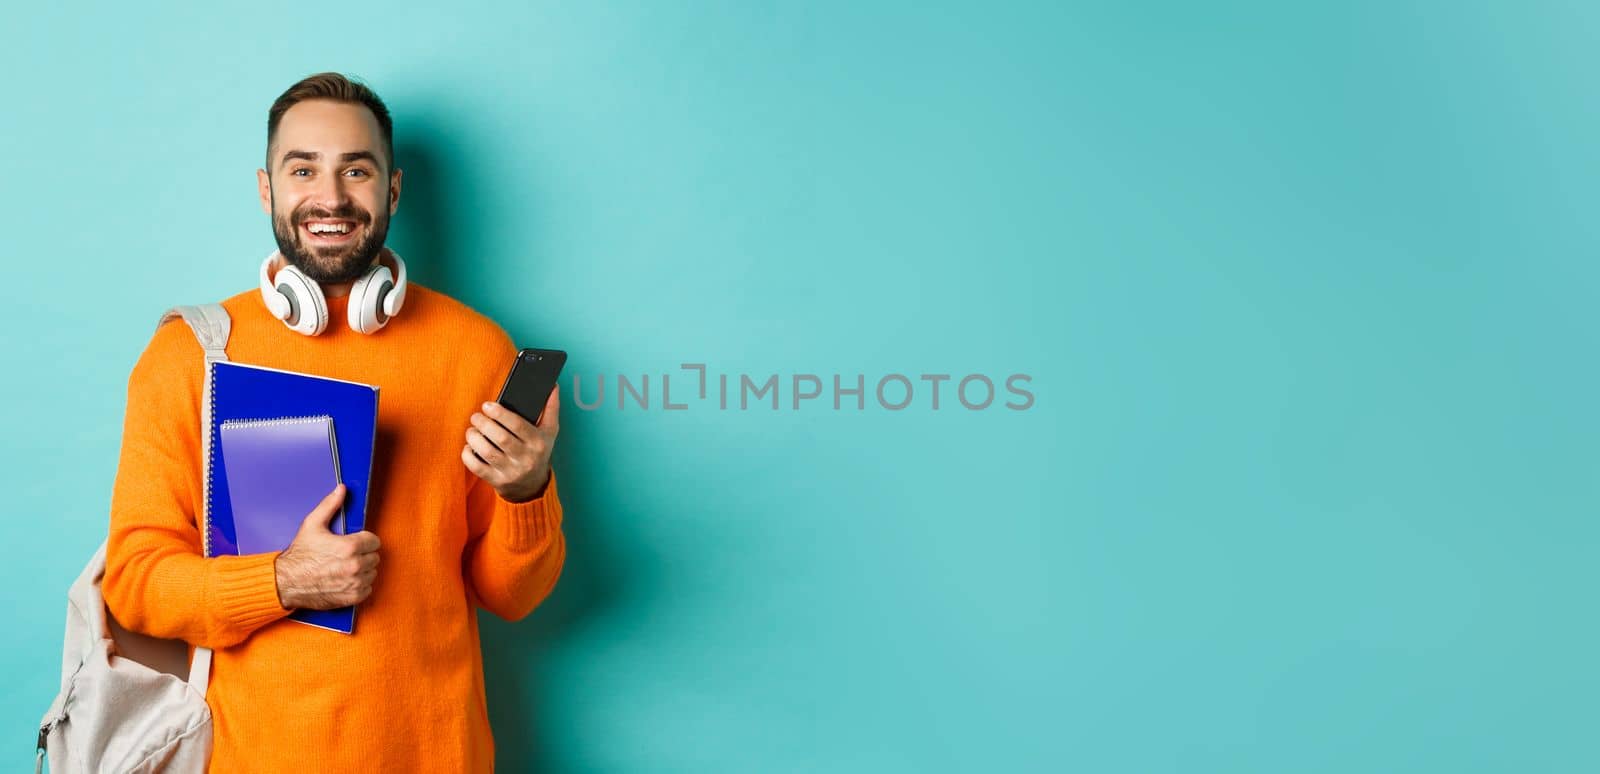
(278, 471)
(242, 391)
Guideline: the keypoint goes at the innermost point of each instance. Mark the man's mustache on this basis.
(348, 214)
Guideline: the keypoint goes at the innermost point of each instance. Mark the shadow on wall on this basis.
(439, 196)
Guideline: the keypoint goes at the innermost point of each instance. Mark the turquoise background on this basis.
(1306, 292)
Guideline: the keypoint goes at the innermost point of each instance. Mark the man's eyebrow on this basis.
(315, 156)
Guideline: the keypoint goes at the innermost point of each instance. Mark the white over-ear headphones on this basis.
(297, 300)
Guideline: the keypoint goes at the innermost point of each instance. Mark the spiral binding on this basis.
(237, 423)
(210, 406)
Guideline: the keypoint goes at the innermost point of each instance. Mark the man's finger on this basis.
(488, 452)
(365, 542)
(474, 463)
(496, 432)
(550, 422)
(317, 520)
(509, 419)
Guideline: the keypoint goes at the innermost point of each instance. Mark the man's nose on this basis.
(330, 192)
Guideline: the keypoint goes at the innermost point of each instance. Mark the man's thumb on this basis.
(317, 520)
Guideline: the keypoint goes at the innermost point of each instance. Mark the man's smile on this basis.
(329, 231)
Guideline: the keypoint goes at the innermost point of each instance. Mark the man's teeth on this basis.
(328, 228)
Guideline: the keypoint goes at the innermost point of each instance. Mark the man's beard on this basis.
(331, 263)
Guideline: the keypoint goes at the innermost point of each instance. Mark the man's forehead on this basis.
(328, 128)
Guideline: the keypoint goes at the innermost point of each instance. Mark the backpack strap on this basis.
(211, 326)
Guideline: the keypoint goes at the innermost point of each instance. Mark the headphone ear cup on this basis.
(365, 314)
(396, 298)
(275, 301)
(308, 310)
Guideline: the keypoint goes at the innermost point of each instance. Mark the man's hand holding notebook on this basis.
(321, 570)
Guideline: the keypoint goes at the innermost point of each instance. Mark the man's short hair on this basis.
(336, 87)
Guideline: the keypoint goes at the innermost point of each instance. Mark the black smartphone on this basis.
(533, 375)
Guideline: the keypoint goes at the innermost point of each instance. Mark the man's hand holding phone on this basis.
(511, 453)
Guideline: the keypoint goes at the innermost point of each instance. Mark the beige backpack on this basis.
(130, 702)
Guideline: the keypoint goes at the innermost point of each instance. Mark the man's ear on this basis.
(264, 188)
(394, 191)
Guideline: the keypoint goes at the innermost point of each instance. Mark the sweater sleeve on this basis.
(157, 579)
(515, 551)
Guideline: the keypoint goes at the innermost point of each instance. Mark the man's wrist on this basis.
(516, 498)
(278, 579)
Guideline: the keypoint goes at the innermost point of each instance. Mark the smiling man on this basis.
(462, 494)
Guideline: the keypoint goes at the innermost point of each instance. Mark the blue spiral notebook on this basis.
(246, 392)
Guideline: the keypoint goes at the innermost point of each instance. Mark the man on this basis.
(462, 491)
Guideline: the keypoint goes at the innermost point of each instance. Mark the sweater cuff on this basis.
(523, 527)
(246, 589)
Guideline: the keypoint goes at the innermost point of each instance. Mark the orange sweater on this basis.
(405, 692)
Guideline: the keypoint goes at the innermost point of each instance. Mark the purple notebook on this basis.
(278, 471)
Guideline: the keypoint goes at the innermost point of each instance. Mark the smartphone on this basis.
(533, 375)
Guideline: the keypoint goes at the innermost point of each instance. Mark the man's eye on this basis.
(361, 172)
(298, 171)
